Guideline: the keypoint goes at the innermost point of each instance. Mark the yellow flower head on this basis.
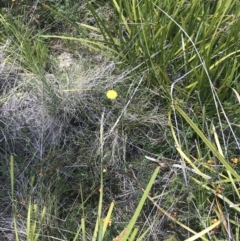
(112, 94)
(107, 221)
(210, 162)
(234, 160)
(214, 221)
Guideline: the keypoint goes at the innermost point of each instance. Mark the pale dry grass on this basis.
(51, 123)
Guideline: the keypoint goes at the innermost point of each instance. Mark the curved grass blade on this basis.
(210, 145)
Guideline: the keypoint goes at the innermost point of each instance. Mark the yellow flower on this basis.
(108, 222)
(210, 162)
(218, 191)
(234, 160)
(214, 221)
(112, 94)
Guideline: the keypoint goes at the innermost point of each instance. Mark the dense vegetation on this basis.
(94, 94)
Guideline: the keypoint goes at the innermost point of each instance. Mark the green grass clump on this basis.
(193, 44)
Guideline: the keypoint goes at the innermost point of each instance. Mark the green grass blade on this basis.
(122, 16)
(47, 7)
(79, 230)
(225, 199)
(107, 219)
(134, 233)
(205, 231)
(140, 205)
(16, 228)
(28, 226)
(146, 231)
(12, 175)
(104, 27)
(207, 142)
(91, 44)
